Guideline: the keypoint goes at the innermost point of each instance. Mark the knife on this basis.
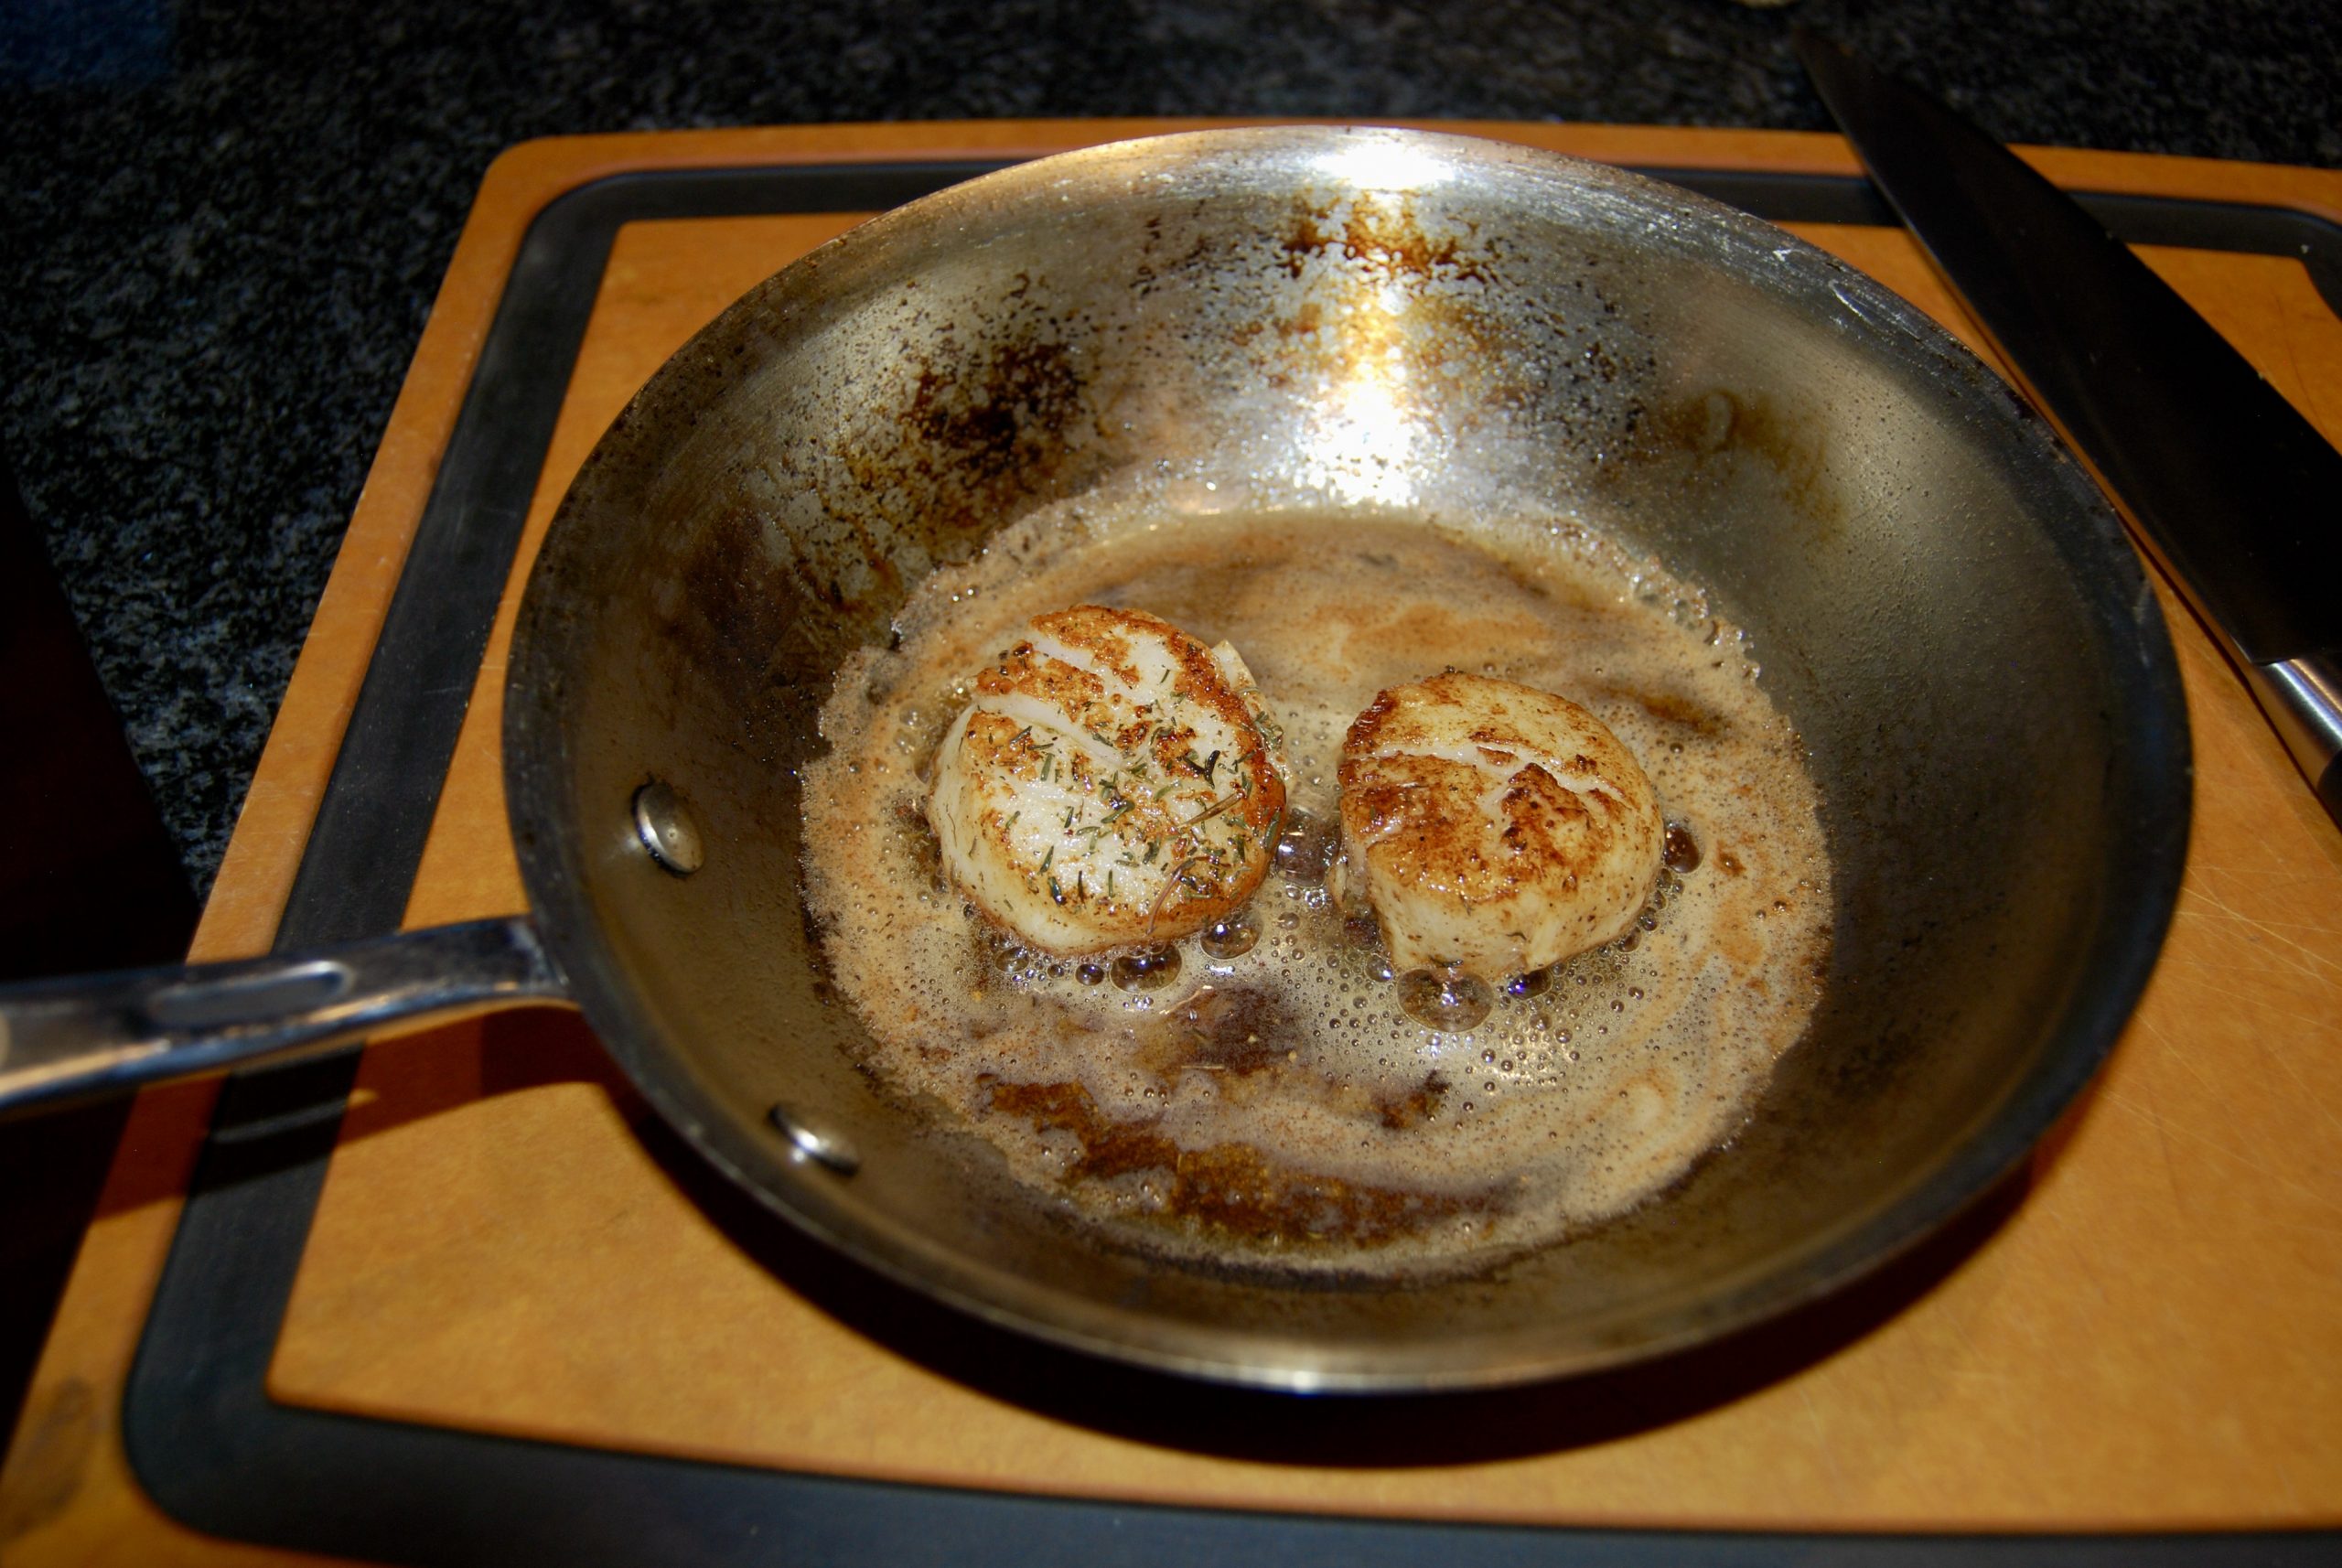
(2234, 493)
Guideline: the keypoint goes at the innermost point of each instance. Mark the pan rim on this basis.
(2141, 893)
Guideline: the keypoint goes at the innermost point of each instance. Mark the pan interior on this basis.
(1943, 607)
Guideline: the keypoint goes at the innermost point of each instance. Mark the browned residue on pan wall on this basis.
(1394, 282)
(765, 635)
(1007, 417)
(965, 427)
(1387, 237)
(981, 431)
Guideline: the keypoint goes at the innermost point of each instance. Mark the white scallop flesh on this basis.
(1114, 783)
(1493, 827)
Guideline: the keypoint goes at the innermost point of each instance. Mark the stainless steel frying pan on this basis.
(1944, 606)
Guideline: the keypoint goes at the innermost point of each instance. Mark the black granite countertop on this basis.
(225, 221)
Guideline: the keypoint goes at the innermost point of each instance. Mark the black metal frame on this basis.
(217, 1454)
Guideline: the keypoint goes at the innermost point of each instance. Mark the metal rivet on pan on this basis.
(823, 1148)
(666, 829)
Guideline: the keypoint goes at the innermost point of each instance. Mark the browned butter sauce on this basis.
(1274, 1102)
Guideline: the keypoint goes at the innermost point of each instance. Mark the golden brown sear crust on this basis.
(1103, 634)
(1493, 826)
(1113, 783)
(1078, 693)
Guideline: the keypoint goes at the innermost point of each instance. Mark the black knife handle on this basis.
(2226, 479)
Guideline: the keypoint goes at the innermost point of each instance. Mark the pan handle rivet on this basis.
(823, 1148)
(667, 830)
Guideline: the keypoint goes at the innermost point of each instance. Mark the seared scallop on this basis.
(1114, 783)
(1493, 827)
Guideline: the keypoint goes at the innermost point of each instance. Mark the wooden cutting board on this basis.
(2145, 1333)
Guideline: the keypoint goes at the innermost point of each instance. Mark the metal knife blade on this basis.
(2234, 491)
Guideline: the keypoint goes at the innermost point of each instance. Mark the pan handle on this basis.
(73, 1039)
